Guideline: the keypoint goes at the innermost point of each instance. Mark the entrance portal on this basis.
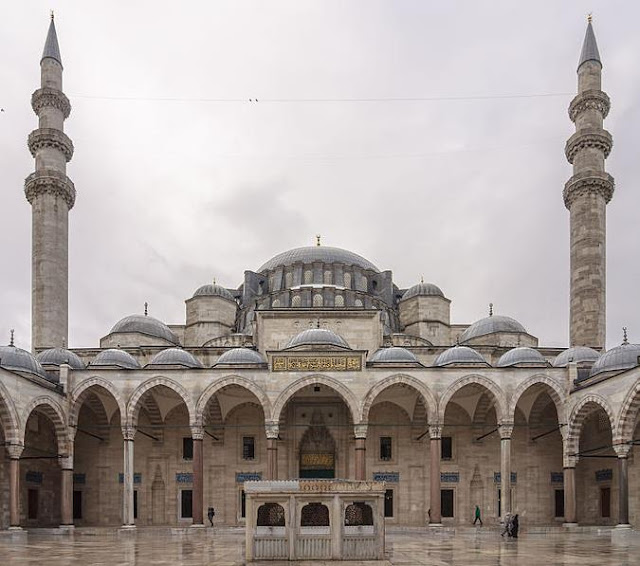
(317, 451)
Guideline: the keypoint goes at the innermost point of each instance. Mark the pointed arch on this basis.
(82, 390)
(347, 396)
(240, 381)
(9, 417)
(133, 406)
(628, 415)
(428, 398)
(54, 412)
(579, 413)
(552, 387)
(474, 379)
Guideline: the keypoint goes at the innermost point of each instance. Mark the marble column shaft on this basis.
(198, 477)
(505, 469)
(272, 458)
(623, 490)
(127, 502)
(66, 493)
(14, 491)
(435, 501)
(361, 459)
(570, 515)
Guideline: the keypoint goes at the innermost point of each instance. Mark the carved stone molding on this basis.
(591, 138)
(50, 181)
(272, 430)
(128, 432)
(589, 100)
(50, 137)
(197, 432)
(506, 430)
(14, 450)
(590, 182)
(435, 431)
(360, 430)
(622, 450)
(50, 97)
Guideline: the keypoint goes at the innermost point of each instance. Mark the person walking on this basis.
(478, 517)
(515, 526)
(506, 528)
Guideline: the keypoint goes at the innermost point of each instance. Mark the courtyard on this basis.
(408, 547)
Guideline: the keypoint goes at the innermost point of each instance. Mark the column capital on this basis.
(435, 431)
(506, 430)
(622, 450)
(360, 430)
(569, 461)
(197, 432)
(272, 430)
(66, 462)
(128, 432)
(14, 451)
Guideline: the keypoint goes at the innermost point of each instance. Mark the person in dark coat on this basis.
(515, 526)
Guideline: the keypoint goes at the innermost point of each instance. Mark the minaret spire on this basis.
(51, 195)
(586, 195)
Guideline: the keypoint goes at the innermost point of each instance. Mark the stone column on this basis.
(272, 432)
(66, 492)
(361, 451)
(197, 434)
(128, 434)
(506, 430)
(570, 514)
(622, 450)
(435, 502)
(15, 451)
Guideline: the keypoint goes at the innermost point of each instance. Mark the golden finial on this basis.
(146, 309)
(422, 279)
(214, 280)
(624, 335)
(51, 15)
(317, 239)
(11, 342)
(490, 309)
(589, 17)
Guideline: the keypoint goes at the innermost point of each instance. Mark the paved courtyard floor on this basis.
(408, 548)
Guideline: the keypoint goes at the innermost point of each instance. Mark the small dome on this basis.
(240, 356)
(213, 290)
(617, 359)
(17, 359)
(322, 254)
(459, 355)
(394, 354)
(145, 325)
(578, 354)
(115, 357)
(423, 289)
(175, 357)
(521, 355)
(491, 325)
(317, 337)
(59, 356)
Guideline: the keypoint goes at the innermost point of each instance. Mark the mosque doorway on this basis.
(317, 450)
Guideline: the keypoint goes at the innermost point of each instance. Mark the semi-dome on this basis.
(491, 325)
(619, 358)
(322, 254)
(577, 354)
(459, 355)
(16, 359)
(240, 356)
(213, 290)
(521, 355)
(394, 354)
(317, 337)
(145, 324)
(175, 357)
(423, 289)
(59, 356)
(115, 357)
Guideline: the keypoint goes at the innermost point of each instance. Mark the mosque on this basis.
(318, 366)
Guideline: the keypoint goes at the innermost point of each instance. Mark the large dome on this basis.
(145, 324)
(322, 254)
(317, 337)
(491, 325)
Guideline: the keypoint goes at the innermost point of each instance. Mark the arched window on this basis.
(308, 276)
(296, 301)
(314, 515)
(276, 303)
(362, 284)
(271, 515)
(288, 280)
(347, 280)
(358, 514)
(328, 277)
(339, 300)
(357, 303)
(318, 300)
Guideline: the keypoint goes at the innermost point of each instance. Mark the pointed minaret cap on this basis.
(51, 48)
(589, 47)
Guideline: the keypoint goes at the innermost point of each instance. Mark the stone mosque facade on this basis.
(318, 366)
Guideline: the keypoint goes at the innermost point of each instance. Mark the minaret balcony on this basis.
(50, 181)
(587, 183)
(50, 137)
(52, 97)
(591, 138)
(589, 100)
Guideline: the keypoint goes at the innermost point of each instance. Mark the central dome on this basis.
(323, 254)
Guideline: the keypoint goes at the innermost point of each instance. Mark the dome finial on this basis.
(318, 323)
(457, 340)
(490, 309)
(590, 17)
(52, 17)
(625, 340)
(11, 340)
(214, 280)
(318, 239)
(146, 308)
(422, 279)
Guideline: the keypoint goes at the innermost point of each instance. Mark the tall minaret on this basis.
(586, 196)
(51, 195)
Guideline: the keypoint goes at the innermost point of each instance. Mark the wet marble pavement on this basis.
(414, 548)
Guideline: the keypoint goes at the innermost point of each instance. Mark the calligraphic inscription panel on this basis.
(317, 363)
(316, 461)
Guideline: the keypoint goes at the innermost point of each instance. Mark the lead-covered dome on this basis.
(240, 356)
(16, 359)
(491, 325)
(175, 357)
(213, 290)
(145, 324)
(321, 254)
(115, 357)
(393, 354)
(522, 356)
(317, 337)
(460, 355)
(423, 289)
(577, 354)
(619, 358)
(59, 356)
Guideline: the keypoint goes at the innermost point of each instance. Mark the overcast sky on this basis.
(181, 179)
